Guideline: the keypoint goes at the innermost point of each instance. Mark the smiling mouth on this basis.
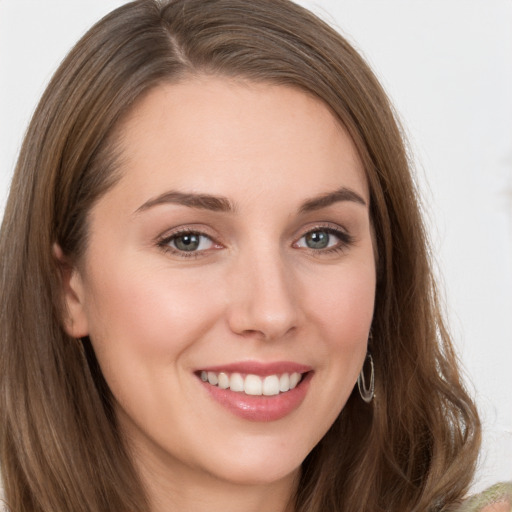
(251, 384)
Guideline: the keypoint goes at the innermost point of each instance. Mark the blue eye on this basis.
(324, 239)
(188, 242)
(318, 239)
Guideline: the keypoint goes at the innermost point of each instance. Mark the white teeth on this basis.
(271, 385)
(236, 382)
(253, 384)
(294, 379)
(223, 381)
(284, 383)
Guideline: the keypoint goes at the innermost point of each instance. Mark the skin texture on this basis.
(253, 291)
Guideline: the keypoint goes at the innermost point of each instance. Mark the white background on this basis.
(447, 65)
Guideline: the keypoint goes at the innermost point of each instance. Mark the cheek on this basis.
(345, 305)
(144, 326)
(343, 314)
(142, 314)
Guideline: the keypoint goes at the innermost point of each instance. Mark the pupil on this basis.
(317, 240)
(188, 242)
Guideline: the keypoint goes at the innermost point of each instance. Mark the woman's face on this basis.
(236, 248)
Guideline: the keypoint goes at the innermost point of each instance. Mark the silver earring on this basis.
(367, 393)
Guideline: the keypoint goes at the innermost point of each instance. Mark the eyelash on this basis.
(345, 241)
(164, 242)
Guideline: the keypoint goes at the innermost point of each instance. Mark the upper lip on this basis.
(259, 368)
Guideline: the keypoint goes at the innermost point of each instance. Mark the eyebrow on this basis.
(222, 204)
(192, 200)
(323, 201)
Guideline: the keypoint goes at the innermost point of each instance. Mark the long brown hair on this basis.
(413, 448)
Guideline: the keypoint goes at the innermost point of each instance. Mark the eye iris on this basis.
(317, 240)
(187, 242)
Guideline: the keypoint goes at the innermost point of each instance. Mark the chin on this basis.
(250, 474)
(260, 465)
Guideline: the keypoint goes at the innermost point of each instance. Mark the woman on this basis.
(211, 233)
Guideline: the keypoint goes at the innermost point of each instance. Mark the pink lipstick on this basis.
(257, 391)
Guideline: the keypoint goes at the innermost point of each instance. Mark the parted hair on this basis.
(412, 449)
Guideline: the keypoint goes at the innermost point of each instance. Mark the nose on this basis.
(263, 301)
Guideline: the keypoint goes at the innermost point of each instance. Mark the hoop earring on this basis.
(367, 393)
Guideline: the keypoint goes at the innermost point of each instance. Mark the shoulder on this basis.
(497, 498)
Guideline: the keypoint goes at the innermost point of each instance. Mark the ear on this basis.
(73, 296)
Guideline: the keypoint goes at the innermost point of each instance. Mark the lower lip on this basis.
(261, 408)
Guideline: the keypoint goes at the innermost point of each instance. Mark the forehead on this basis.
(222, 134)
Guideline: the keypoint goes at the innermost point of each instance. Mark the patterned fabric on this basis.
(497, 498)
